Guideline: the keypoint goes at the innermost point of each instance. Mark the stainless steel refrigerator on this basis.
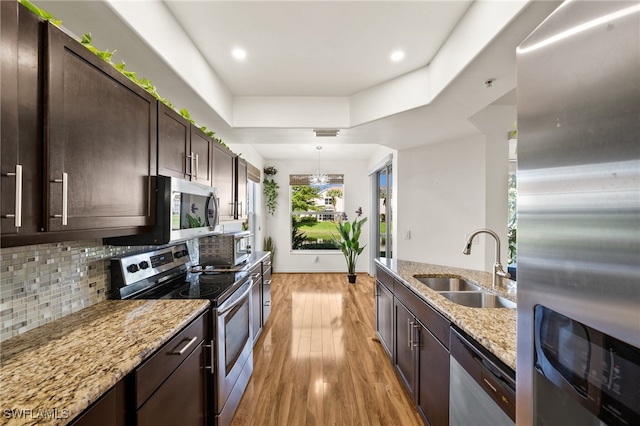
(578, 100)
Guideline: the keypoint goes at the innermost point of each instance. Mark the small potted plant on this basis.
(349, 241)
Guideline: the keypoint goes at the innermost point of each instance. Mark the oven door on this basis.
(234, 344)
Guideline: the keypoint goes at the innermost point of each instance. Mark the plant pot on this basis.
(352, 278)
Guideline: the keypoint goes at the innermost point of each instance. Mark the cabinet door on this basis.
(433, 378)
(223, 181)
(181, 400)
(100, 144)
(242, 189)
(21, 124)
(256, 308)
(256, 296)
(201, 152)
(266, 292)
(109, 410)
(174, 133)
(405, 360)
(384, 317)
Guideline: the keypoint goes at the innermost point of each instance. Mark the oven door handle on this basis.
(238, 301)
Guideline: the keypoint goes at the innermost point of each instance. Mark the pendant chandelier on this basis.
(318, 178)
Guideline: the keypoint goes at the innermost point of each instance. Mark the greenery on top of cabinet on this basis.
(40, 12)
(107, 55)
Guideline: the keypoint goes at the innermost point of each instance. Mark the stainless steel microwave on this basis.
(228, 249)
(184, 210)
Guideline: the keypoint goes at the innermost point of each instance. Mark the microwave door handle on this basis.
(210, 200)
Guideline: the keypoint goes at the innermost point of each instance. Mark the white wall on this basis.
(441, 199)
(446, 191)
(278, 226)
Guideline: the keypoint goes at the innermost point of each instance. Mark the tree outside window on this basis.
(315, 209)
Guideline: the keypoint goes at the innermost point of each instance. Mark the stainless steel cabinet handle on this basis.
(409, 339)
(267, 303)
(196, 165)
(181, 351)
(266, 282)
(256, 275)
(268, 263)
(240, 208)
(211, 355)
(65, 199)
(416, 342)
(17, 217)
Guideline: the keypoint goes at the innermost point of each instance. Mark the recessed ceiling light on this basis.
(397, 56)
(239, 53)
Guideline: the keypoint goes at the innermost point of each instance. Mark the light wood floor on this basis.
(317, 363)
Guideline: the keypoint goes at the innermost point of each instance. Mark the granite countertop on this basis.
(493, 328)
(57, 370)
(257, 256)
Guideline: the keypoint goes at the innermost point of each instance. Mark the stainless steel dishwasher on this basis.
(482, 389)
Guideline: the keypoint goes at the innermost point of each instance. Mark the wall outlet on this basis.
(407, 235)
(317, 259)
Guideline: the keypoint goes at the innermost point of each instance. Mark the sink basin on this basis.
(478, 299)
(447, 283)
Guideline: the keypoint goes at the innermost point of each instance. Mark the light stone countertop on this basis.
(493, 328)
(60, 368)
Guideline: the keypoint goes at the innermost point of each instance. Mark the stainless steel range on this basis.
(168, 274)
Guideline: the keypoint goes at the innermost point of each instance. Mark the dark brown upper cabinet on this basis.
(242, 190)
(21, 124)
(224, 181)
(184, 151)
(100, 144)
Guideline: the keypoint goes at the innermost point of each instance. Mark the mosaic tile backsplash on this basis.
(42, 283)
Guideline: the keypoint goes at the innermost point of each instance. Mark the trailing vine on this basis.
(270, 189)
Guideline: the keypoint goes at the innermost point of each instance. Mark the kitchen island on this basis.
(49, 375)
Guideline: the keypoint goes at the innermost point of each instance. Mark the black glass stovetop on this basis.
(199, 283)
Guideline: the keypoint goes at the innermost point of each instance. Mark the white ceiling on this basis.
(316, 48)
(319, 49)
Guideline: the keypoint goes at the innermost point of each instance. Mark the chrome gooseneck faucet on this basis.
(498, 269)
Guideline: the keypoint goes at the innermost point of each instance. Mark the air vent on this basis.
(326, 133)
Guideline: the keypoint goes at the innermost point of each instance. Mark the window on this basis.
(315, 210)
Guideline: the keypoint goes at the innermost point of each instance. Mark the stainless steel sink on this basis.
(478, 299)
(447, 283)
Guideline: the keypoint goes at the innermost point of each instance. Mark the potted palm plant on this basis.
(349, 241)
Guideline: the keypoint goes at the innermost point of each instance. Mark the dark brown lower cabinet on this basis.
(266, 291)
(181, 399)
(422, 362)
(256, 301)
(109, 410)
(404, 350)
(433, 378)
(384, 317)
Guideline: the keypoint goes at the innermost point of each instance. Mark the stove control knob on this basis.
(185, 252)
(144, 264)
(133, 268)
(177, 254)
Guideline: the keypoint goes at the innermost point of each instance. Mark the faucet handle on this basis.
(500, 271)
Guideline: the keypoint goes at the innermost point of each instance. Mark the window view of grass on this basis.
(310, 234)
(315, 212)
